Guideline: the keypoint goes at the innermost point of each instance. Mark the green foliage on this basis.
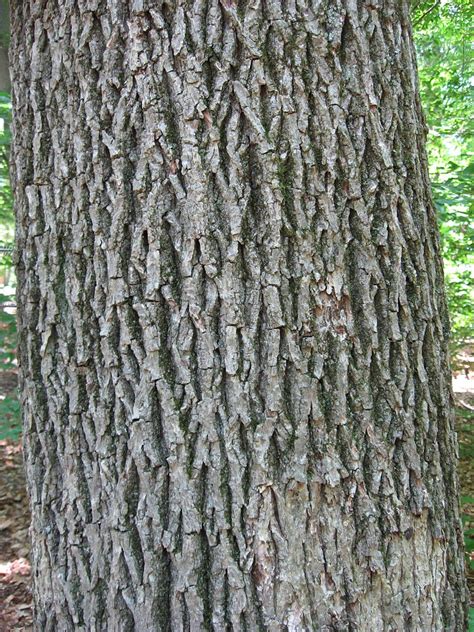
(454, 200)
(10, 423)
(7, 321)
(10, 418)
(467, 517)
(8, 336)
(5, 138)
(6, 199)
(468, 533)
(443, 36)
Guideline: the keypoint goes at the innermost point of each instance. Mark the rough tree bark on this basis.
(233, 330)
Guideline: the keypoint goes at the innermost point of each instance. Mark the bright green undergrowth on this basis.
(10, 425)
(443, 36)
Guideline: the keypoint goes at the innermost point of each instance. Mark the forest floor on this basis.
(15, 593)
(15, 572)
(463, 386)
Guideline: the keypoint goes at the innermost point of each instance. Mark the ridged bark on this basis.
(233, 330)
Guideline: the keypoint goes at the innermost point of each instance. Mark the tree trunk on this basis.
(4, 37)
(233, 329)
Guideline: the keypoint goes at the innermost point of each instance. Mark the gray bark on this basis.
(233, 329)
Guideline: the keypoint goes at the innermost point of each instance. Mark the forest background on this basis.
(443, 37)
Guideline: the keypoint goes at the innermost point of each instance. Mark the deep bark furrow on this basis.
(233, 340)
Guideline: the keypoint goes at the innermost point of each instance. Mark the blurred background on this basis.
(443, 37)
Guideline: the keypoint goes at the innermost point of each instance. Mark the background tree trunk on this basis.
(4, 37)
(233, 329)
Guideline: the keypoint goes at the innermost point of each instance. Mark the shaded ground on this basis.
(15, 595)
(463, 385)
